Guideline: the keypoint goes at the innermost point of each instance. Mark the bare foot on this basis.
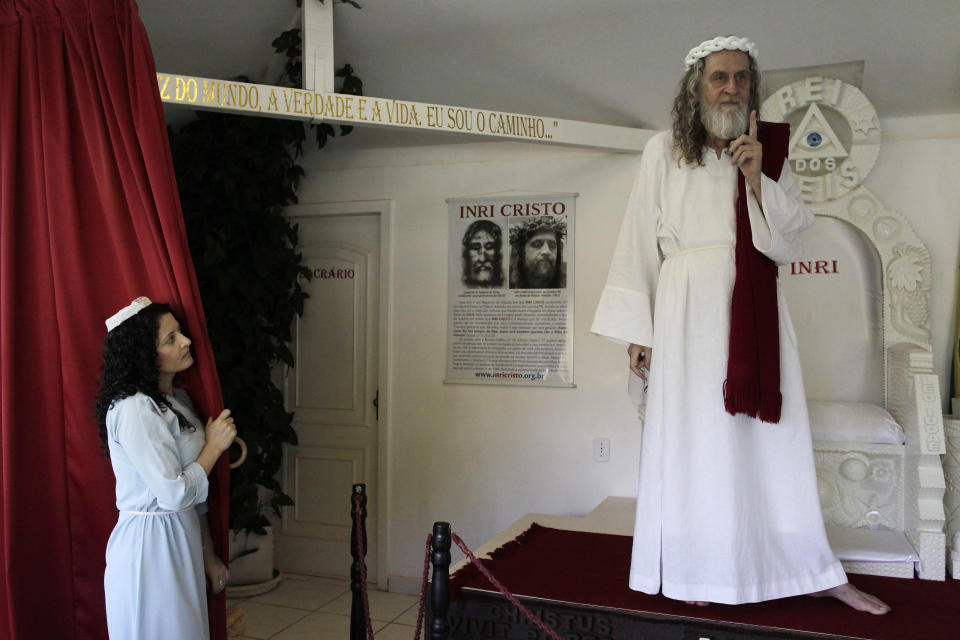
(853, 597)
(697, 603)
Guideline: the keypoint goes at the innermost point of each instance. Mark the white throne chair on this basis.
(859, 303)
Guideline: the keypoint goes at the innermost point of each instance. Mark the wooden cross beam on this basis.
(299, 104)
(318, 103)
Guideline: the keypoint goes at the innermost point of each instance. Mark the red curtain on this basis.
(89, 219)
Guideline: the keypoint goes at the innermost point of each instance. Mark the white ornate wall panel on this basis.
(860, 485)
(834, 124)
(835, 296)
(951, 501)
(835, 141)
(886, 569)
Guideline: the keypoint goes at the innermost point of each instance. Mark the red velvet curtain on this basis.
(89, 219)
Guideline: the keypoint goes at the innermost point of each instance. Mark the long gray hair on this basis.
(689, 134)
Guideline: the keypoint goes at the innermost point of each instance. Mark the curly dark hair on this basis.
(520, 235)
(130, 366)
(689, 134)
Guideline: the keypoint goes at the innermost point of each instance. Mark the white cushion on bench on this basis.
(853, 422)
(870, 545)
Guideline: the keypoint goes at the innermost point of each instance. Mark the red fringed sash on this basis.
(753, 368)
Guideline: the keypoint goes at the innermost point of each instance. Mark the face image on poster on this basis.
(510, 294)
(536, 253)
(482, 255)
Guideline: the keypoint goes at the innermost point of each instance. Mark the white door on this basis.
(332, 392)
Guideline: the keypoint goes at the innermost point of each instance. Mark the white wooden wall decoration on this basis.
(951, 468)
(317, 32)
(248, 98)
(835, 141)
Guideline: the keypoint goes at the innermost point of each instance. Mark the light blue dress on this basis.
(154, 581)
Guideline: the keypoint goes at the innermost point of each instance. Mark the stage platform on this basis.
(572, 572)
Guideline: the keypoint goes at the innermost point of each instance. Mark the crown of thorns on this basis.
(523, 232)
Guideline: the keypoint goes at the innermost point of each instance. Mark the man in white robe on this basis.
(727, 507)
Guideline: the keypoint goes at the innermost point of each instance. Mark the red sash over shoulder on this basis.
(752, 386)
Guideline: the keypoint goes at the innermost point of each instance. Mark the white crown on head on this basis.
(720, 43)
(127, 312)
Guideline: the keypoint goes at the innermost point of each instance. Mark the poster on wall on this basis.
(510, 290)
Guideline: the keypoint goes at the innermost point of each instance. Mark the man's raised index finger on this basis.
(753, 124)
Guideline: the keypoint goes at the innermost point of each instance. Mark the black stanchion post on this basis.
(440, 586)
(358, 619)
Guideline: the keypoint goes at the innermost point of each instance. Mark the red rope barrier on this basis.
(357, 513)
(489, 576)
(358, 516)
(423, 587)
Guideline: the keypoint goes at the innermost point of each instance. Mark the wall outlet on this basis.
(601, 449)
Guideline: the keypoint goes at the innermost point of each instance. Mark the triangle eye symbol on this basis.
(815, 138)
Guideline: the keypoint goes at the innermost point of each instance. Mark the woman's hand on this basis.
(216, 572)
(221, 431)
(640, 356)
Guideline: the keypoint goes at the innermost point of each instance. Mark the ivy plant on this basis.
(235, 175)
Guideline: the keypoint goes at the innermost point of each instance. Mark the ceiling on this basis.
(608, 61)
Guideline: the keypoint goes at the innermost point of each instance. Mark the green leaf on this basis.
(352, 85)
(285, 355)
(245, 552)
(283, 500)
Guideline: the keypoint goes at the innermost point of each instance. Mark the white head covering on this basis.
(720, 43)
(127, 312)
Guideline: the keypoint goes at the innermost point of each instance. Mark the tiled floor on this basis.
(304, 607)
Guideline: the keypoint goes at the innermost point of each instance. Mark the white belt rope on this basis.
(696, 249)
(156, 513)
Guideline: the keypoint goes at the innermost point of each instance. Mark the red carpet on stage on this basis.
(592, 569)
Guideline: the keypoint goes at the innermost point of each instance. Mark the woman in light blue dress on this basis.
(162, 454)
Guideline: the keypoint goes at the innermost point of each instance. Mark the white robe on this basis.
(154, 581)
(727, 507)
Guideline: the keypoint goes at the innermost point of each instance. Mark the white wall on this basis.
(480, 457)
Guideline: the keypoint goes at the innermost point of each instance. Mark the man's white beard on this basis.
(723, 122)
